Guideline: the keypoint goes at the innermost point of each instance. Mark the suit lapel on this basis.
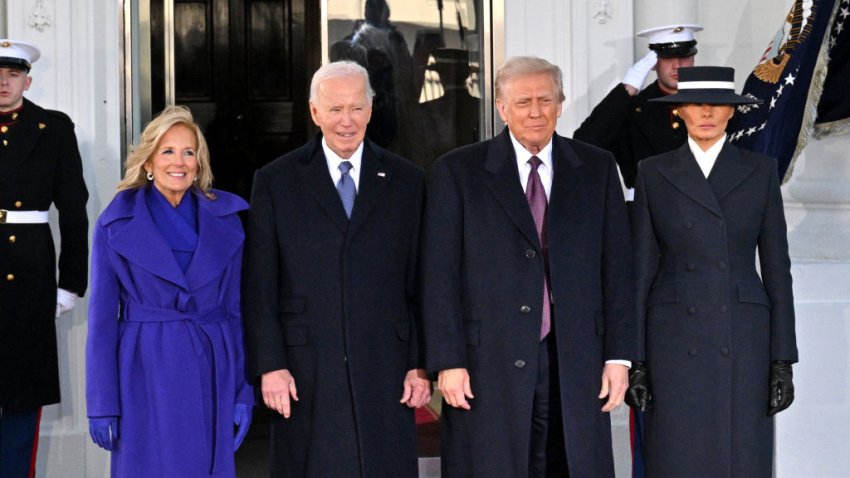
(374, 177)
(141, 243)
(729, 171)
(217, 242)
(313, 172)
(503, 181)
(686, 176)
(565, 181)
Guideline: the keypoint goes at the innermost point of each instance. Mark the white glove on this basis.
(65, 301)
(638, 72)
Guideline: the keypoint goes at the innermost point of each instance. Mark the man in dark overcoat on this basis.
(625, 122)
(330, 294)
(527, 292)
(40, 166)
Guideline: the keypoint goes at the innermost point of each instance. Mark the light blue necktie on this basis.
(345, 187)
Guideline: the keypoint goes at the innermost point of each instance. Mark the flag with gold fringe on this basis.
(793, 78)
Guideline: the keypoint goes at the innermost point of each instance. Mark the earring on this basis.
(149, 176)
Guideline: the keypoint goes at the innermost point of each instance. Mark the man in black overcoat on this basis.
(527, 292)
(625, 122)
(330, 294)
(40, 166)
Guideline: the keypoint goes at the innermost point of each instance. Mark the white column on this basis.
(78, 74)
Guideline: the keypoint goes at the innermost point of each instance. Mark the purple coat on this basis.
(165, 348)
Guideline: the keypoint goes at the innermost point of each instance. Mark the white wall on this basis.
(78, 73)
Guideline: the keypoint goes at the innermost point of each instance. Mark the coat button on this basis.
(690, 267)
(12, 239)
(721, 223)
(18, 204)
(692, 352)
(721, 265)
(692, 310)
(10, 277)
(525, 309)
(724, 308)
(724, 351)
(689, 225)
(530, 253)
(519, 364)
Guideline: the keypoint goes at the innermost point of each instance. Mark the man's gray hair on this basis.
(528, 65)
(340, 69)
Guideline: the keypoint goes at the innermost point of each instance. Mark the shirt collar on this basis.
(334, 159)
(711, 153)
(523, 155)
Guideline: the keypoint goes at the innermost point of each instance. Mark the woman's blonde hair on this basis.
(135, 175)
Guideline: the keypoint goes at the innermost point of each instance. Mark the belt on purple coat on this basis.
(135, 312)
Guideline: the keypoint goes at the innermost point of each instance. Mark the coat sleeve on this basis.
(260, 285)
(776, 274)
(102, 385)
(416, 356)
(646, 257)
(445, 340)
(70, 196)
(244, 391)
(617, 273)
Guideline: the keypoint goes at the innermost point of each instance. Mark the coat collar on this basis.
(728, 172)
(28, 133)
(504, 183)
(140, 242)
(374, 177)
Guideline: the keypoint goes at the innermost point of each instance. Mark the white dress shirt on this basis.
(706, 159)
(333, 160)
(546, 172)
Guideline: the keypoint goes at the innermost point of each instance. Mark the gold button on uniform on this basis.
(12, 239)
(18, 204)
(4, 128)
(675, 125)
(10, 277)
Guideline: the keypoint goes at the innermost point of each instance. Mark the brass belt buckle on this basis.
(3, 216)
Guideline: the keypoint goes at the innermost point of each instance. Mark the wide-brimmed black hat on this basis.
(713, 85)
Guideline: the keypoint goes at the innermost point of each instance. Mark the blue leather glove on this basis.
(99, 429)
(242, 415)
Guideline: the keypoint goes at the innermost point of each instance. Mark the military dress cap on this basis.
(712, 85)
(18, 54)
(672, 41)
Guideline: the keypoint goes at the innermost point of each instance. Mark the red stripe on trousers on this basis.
(35, 445)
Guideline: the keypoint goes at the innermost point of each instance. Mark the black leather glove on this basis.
(638, 395)
(781, 387)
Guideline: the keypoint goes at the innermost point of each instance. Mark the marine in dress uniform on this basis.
(40, 165)
(625, 122)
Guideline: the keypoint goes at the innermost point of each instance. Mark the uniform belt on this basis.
(23, 217)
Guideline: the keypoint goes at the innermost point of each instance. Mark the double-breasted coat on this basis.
(483, 282)
(709, 324)
(333, 301)
(40, 165)
(165, 349)
(633, 128)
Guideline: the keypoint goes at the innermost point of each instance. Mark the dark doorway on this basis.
(243, 67)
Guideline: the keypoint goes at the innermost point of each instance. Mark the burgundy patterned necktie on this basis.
(536, 196)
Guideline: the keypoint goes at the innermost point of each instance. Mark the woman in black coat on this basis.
(716, 337)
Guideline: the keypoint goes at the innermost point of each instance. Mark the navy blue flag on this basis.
(790, 79)
(834, 104)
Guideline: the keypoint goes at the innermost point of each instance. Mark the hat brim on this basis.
(681, 52)
(12, 62)
(707, 97)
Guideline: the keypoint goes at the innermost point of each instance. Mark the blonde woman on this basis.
(165, 361)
